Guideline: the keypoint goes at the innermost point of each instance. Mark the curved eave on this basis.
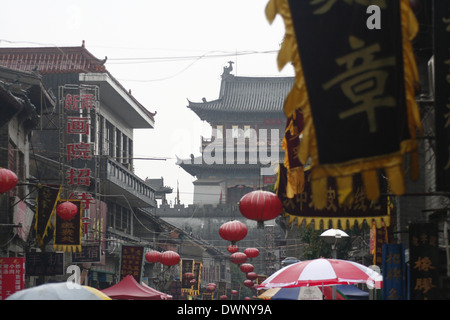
(116, 96)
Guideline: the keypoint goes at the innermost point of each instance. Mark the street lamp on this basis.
(332, 236)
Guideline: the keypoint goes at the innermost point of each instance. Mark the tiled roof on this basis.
(247, 94)
(58, 60)
(51, 60)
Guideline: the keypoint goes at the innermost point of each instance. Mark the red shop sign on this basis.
(12, 276)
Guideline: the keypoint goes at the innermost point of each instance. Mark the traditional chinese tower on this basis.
(248, 125)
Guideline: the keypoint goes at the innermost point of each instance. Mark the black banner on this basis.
(354, 77)
(424, 261)
(187, 266)
(67, 233)
(46, 204)
(301, 205)
(44, 264)
(442, 92)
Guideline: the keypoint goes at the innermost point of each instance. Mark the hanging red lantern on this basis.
(8, 180)
(232, 248)
(153, 256)
(252, 275)
(66, 210)
(193, 281)
(233, 292)
(260, 205)
(246, 267)
(249, 283)
(188, 275)
(170, 258)
(251, 252)
(223, 297)
(233, 231)
(211, 287)
(238, 258)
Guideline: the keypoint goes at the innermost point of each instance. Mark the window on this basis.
(247, 132)
(219, 132)
(235, 132)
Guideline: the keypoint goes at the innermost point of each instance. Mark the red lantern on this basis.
(170, 258)
(233, 292)
(238, 258)
(246, 267)
(260, 205)
(249, 283)
(188, 275)
(232, 248)
(193, 281)
(233, 231)
(153, 256)
(223, 297)
(211, 287)
(66, 210)
(8, 180)
(252, 275)
(251, 252)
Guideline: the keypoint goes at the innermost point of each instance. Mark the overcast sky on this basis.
(165, 51)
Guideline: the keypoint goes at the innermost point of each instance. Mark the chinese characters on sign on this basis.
(187, 266)
(424, 261)
(67, 234)
(131, 262)
(79, 106)
(12, 276)
(88, 254)
(378, 237)
(394, 274)
(46, 204)
(301, 205)
(44, 263)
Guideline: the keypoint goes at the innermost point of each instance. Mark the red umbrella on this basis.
(321, 272)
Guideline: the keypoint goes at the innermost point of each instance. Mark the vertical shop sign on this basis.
(394, 272)
(187, 266)
(131, 260)
(68, 233)
(79, 106)
(46, 204)
(12, 276)
(442, 92)
(424, 261)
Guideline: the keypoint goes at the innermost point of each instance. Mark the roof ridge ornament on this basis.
(227, 70)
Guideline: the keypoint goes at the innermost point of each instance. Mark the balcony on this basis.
(119, 181)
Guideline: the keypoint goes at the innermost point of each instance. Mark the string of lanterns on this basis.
(167, 258)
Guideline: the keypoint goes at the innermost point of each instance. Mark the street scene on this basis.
(228, 152)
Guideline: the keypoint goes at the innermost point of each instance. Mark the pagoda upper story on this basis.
(248, 126)
(243, 100)
(246, 105)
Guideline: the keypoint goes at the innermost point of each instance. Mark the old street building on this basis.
(83, 141)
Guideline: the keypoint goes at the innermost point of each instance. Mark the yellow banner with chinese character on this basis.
(300, 208)
(355, 86)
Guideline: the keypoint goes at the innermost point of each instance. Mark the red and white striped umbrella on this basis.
(321, 272)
